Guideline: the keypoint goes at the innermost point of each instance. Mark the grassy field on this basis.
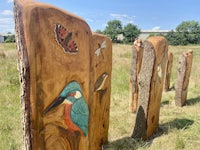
(179, 128)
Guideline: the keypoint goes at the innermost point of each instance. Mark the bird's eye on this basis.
(78, 94)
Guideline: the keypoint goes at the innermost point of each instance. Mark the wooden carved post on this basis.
(102, 89)
(136, 62)
(59, 80)
(168, 71)
(151, 78)
(183, 75)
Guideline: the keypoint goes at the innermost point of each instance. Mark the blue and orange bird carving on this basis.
(76, 112)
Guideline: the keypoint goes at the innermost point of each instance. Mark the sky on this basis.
(145, 14)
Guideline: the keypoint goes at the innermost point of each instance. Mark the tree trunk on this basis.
(56, 48)
(168, 71)
(136, 62)
(150, 82)
(183, 75)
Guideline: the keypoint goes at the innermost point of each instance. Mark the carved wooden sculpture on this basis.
(136, 62)
(150, 84)
(168, 71)
(62, 94)
(183, 75)
(102, 89)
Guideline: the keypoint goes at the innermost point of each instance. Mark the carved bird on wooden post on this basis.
(99, 84)
(76, 113)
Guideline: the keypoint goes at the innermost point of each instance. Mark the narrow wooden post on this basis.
(183, 75)
(136, 61)
(102, 52)
(168, 71)
(61, 67)
(151, 78)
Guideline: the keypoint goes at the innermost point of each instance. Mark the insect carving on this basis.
(100, 47)
(64, 39)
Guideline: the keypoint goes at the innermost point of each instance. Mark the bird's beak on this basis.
(57, 102)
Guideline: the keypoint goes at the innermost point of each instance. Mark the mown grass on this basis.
(179, 128)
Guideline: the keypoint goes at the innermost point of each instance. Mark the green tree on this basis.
(10, 38)
(99, 31)
(188, 32)
(130, 32)
(113, 30)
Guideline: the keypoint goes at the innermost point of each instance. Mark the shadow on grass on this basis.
(192, 101)
(166, 102)
(128, 143)
(179, 124)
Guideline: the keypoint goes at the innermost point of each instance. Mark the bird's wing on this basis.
(80, 115)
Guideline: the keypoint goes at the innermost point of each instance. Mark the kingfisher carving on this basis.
(76, 111)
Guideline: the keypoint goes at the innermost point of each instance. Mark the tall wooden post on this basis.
(151, 78)
(136, 61)
(102, 89)
(168, 71)
(61, 91)
(183, 75)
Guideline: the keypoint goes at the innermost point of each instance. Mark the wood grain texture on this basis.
(151, 80)
(183, 76)
(45, 69)
(101, 103)
(168, 71)
(136, 61)
(140, 128)
(161, 50)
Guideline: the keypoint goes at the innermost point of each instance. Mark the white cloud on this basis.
(6, 21)
(7, 12)
(156, 28)
(125, 19)
(89, 20)
(9, 1)
(6, 25)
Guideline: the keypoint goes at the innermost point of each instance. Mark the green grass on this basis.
(179, 128)
(10, 111)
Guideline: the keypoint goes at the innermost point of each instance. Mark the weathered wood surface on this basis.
(183, 76)
(168, 71)
(136, 61)
(151, 78)
(102, 89)
(57, 48)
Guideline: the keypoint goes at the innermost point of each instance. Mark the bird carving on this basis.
(64, 38)
(76, 112)
(100, 82)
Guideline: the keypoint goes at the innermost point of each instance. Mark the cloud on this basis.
(7, 12)
(9, 1)
(6, 21)
(156, 28)
(125, 19)
(89, 20)
(6, 25)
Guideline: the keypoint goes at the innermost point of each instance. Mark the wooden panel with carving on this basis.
(56, 58)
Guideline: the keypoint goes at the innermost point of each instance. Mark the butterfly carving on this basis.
(64, 39)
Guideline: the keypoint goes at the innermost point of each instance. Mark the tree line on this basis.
(120, 34)
(187, 32)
